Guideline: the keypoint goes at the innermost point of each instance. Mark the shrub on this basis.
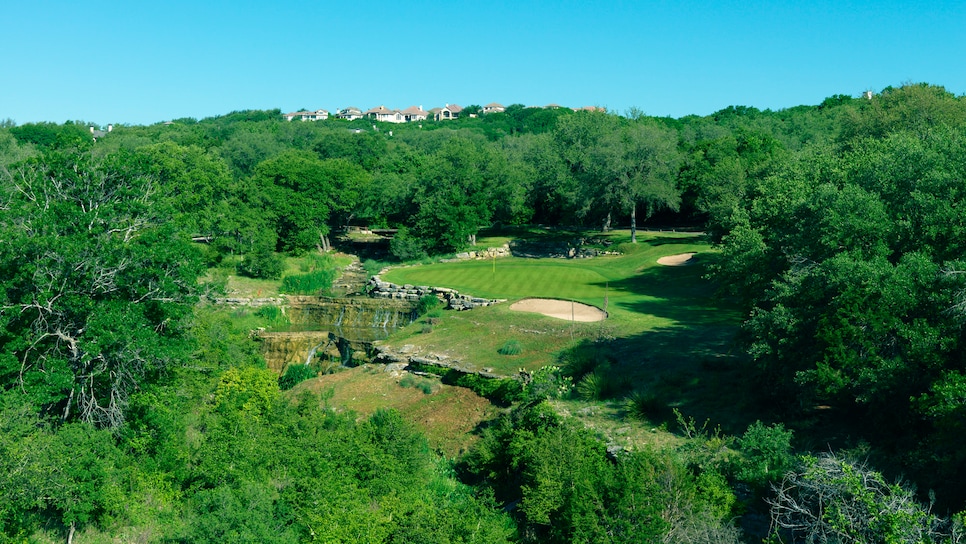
(828, 499)
(593, 386)
(373, 267)
(511, 347)
(424, 385)
(406, 247)
(312, 283)
(767, 453)
(647, 406)
(273, 315)
(547, 383)
(316, 261)
(262, 265)
(296, 374)
(503, 392)
(427, 304)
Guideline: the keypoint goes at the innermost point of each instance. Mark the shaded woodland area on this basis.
(131, 409)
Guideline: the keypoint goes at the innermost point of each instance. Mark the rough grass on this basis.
(447, 414)
(236, 285)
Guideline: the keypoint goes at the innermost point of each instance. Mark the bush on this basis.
(503, 392)
(593, 386)
(424, 385)
(828, 499)
(262, 265)
(316, 261)
(547, 383)
(406, 247)
(296, 374)
(273, 315)
(767, 451)
(373, 267)
(511, 347)
(647, 406)
(428, 304)
(312, 283)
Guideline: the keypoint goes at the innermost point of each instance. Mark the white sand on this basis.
(561, 309)
(683, 259)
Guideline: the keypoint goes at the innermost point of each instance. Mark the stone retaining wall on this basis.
(451, 298)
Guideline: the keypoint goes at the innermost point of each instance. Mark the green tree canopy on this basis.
(94, 287)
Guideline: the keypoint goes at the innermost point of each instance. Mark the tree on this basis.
(635, 165)
(829, 499)
(192, 182)
(454, 202)
(299, 198)
(619, 165)
(95, 285)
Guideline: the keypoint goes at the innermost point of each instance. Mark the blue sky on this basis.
(135, 62)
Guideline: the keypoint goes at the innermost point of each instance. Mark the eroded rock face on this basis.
(281, 349)
(358, 312)
(339, 329)
(406, 358)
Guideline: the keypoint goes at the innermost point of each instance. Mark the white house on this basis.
(317, 115)
(350, 114)
(413, 113)
(447, 112)
(493, 107)
(384, 114)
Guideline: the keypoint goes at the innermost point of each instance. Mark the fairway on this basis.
(632, 281)
(510, 278)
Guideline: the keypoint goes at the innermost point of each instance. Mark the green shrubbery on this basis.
(502, 392)
(566, 487)
(428, 305)
(318, 273)
(511, 347)
(274, 315)
(296, 374)
(406, 247)
(423, 384)
(262, 265)
(312, 283)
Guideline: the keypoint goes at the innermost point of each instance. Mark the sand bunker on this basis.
(561, 309)
(683, 259)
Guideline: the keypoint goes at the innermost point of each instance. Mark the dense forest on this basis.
(133, 409)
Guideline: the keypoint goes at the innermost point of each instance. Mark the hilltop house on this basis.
(384, 114)
(412, 113)
(350, 114)
(450, 111)
(317, 115)
(493, 107)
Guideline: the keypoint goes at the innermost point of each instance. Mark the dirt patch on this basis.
(683, 259)
(561, 309)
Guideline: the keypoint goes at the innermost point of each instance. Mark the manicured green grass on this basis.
(627, 281)
(667, 334)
